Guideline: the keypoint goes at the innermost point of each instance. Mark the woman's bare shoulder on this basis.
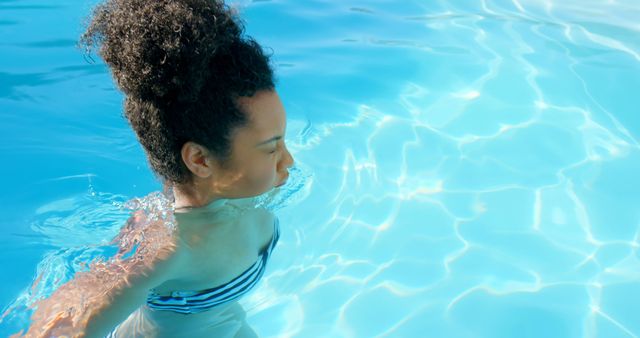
(150, 244)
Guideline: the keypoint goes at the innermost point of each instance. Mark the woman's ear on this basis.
(198, 159)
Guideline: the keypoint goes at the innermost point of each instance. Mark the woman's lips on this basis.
(284, 181)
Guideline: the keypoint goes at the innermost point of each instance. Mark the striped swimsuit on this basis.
(187, 302)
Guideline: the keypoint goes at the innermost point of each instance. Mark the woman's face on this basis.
(259, 157)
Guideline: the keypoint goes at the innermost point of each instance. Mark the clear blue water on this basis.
(471, 167)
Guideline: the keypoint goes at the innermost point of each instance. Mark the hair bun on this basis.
(161, 48)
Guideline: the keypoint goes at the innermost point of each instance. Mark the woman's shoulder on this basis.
(150, 245)
(251, 211)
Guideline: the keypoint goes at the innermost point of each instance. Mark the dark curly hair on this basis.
(181, 64)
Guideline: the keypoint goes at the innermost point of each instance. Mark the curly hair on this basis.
(182, 65)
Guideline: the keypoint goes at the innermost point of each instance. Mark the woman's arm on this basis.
(94, 302)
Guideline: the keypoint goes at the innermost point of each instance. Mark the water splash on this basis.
(86, 230)
(295, 190)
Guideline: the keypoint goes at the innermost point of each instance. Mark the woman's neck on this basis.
(192, 197)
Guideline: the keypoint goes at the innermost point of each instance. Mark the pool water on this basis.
(464, 169)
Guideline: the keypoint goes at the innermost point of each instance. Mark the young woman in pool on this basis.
(200, 96)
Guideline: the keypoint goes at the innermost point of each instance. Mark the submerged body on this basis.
(227, 320)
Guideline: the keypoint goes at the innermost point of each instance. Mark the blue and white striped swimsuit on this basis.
(199, 301)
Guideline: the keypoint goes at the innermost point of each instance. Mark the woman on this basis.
(201, 98)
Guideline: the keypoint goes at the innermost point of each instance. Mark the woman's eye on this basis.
(273, 151)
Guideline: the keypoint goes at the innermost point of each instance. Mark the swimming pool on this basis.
(465, 170)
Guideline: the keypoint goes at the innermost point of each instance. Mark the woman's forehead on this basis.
(265, 112)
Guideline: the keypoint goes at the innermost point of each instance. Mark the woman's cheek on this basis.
(265, 178)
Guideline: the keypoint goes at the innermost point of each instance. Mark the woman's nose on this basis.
(287, 159)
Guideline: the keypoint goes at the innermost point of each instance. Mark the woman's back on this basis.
(219, 243)
(220, 247)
